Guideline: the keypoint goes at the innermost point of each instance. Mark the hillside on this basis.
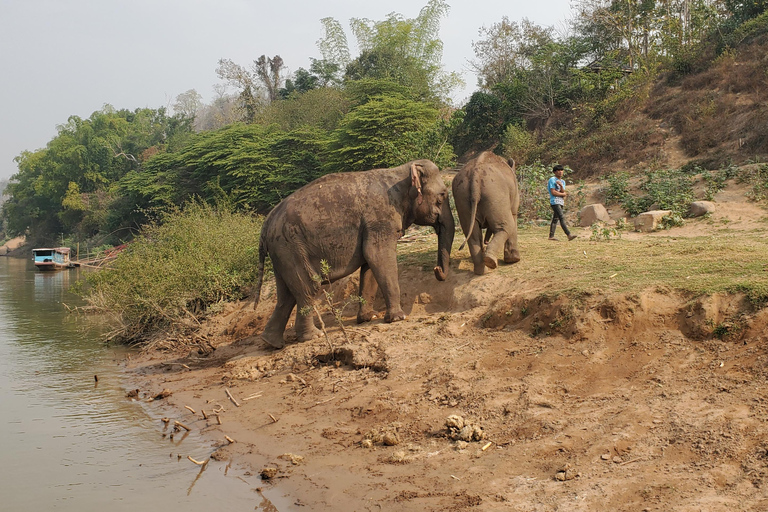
(624, 374)
(711, 118)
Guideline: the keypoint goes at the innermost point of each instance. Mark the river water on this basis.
(70, 443)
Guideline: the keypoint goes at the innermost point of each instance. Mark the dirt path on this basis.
(488, 398)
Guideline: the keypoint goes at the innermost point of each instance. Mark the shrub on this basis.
(175, 270)
(532, 184)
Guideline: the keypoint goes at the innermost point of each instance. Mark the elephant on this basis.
(486, 195)
(351, 221)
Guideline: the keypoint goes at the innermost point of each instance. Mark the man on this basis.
(557, 195)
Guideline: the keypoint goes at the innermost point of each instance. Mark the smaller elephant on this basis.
(486, 195)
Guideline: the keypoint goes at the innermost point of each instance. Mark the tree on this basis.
(269, 70)
(406, 51)
(386, 131)
(188, 103)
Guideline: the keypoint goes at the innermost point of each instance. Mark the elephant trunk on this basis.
(445, 228)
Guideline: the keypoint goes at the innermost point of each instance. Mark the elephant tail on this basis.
(260, 277)
(474, 198)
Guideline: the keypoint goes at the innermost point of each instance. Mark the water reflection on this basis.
(71, 443)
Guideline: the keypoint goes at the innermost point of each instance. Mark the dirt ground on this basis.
(472, 404)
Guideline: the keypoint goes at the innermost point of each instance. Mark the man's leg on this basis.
(558, 210)
(553, 223)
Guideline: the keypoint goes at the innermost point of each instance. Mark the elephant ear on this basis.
(416, 181)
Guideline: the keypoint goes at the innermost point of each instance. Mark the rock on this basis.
(267, 473)
(390, 439)
(648, 221)
(3, 250)
(699, 208)
(593, 213)
(454, 421)
(366, 443)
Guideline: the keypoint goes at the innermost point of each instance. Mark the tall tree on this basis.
(406, 51)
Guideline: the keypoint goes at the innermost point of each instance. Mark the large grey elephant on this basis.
(351, 220)
(486, 196)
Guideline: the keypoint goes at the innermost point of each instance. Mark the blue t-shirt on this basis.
(552, 183)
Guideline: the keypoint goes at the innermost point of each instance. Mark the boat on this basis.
(56, 258)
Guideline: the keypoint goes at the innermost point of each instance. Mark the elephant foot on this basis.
(366, 316)
(490, 262)
(308, 334)
(512, 257)
(276, 341)
(394, 317)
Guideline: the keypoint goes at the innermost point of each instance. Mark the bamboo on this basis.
(231, 397)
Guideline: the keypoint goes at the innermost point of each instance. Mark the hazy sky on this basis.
(70, 57)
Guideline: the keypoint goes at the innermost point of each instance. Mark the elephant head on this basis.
(431, 207)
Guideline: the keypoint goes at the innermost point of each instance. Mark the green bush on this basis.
(532, 184)
(176, 269)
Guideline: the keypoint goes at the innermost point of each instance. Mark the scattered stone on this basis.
(390, 439)
(606, 456)
(593, 213)
(163, 394)
(454, 422)
(366, 443)
(268, 473)
(699, 208)
(295, 459)
(461, 430)
(566, 473)
(461, 445)
(649, 221)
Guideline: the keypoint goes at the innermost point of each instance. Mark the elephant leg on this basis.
(511, 252)
(494, 247)
(367, 291)
(304, 290)
(382, 260)
(476, 249)
(273, 332)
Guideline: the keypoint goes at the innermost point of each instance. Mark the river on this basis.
(70, 442)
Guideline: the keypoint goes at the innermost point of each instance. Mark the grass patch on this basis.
(719, 263)
(176, 271)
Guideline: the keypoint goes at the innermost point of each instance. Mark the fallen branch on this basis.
(255, 395)
(231, 397)
(218, 419)
(199, 463)
(630, 461)
(274, 420)
(231, 441)
(179, 424)
(189, 409)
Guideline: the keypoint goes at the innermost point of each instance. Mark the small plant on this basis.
(603, 232)
(335, 308)
(671, 220)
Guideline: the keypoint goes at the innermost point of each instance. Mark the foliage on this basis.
(532, 184)
(669, 190)
(404, 51)
(176, 269)
(665, 189)
(388, 131)
(519, 144)
(757, 178)
(67, 186)
(336, 308)
(715, 180)
(602, 232)
(672, 220)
